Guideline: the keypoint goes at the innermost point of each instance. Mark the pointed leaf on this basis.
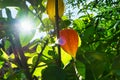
(69, 41)
(80, 68)
(51, 9)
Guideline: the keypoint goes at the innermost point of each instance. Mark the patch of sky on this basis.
(13, 12)
(75, 10)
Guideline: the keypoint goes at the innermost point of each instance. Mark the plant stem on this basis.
(22, 56)
(17, 59)
(57, 31)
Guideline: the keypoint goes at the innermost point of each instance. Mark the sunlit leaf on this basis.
(51, 9)
(26, 38)
(69, 41)
(65, 57)
(38, 71)
(1, 59)
(79, 24)
(4, 56)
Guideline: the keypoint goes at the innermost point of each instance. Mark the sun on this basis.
(26, 25)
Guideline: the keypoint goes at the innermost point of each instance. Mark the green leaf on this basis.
(25, 38)
(98, 68)
(1, 64)
(1, 52)
(38, 71)
(38, 48)
(116, 65)
(1, 59)
(65, 57)
(70, 72)
(34, 60)
(7, 44)
(51, 53)
(47, 25)
(88, 34)
(42, 8)
(8, 3)
(53, 73)
(65, 23)
(79, 23)
(48, 50)
(2, 56)
(80, 68)
(16, 75)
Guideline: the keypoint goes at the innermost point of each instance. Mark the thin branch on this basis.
(57, 31)
(15, 51)
(37, 15)
(38, 59)
(46, 57)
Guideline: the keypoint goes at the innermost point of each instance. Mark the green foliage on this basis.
(80, 67)
(1, 59)
(23, 56)
(13, 3)
(52, 72)
(70, 71)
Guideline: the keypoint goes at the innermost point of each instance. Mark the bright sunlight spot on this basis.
(26, 26)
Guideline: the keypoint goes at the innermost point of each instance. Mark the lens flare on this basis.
(26, 26)
(62, 41)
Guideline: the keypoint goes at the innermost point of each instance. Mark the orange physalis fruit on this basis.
(69, 41)
(50, 8)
